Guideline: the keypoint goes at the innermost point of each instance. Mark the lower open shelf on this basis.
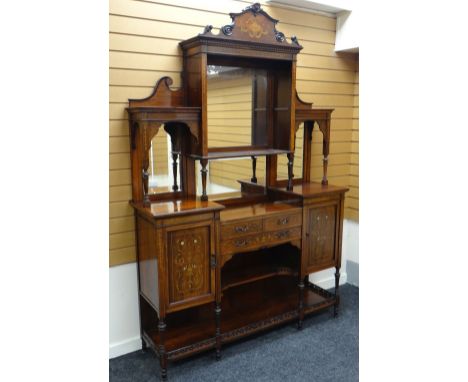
(246, 309)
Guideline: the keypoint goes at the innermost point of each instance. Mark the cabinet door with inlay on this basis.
(320, 235)
(190, 266)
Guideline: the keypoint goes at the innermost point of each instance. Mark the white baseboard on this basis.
(117, 349)
(328, 282)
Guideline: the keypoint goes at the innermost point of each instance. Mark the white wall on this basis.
(347, 30)
(124, 327)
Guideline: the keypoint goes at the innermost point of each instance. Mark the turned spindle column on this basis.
(204, 172)
(254, 169)
(290, 171)
(337, 295)
(301, 304)
(175, 155)
(162, 349)
(145, 180)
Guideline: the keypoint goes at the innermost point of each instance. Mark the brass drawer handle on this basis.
(240, 229)
(241, 243)
(282, 234)
(283, 221)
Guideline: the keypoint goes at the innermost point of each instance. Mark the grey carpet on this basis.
(325, 350)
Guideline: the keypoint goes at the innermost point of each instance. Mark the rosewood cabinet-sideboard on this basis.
(226, 234)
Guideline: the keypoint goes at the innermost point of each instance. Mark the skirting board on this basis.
(328, 281)
(130, 345)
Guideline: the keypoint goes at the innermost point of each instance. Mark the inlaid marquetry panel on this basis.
(188, 263)
(321, 235)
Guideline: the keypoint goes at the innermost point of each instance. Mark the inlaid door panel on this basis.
(190, 274)
(321, 236)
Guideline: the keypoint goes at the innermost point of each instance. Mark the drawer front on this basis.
(282, 236)
(241, 244)
(283, 221)
(241, 228)
(252, 242)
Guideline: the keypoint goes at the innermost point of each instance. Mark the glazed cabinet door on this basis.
(321, 236)
(190, 265)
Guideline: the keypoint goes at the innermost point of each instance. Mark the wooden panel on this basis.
(321, 235)
(189, 269)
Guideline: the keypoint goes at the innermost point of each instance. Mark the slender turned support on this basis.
(145, 179)
(204, 171)
(325, 165)
(290, 171)
(175, 155)
(337, 295)
(162, 349)
(218, 330)
(301, 304)
(254, 169)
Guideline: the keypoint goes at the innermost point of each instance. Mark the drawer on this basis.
(241, 228)
(242, 244)
(283, 235)
(283, 221)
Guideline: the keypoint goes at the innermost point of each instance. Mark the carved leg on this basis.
(254, 169)
(218, 331)
(204, 171)
(175, 155)
(301, 304)
(290, 171)
(162, 350)
(337, 295)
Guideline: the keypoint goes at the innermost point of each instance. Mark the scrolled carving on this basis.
(227, 29)
(207, 29)
(255, 8)
(294, 40)
(279, 36)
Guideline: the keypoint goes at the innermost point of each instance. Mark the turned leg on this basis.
(175, 155)
(254, 170)
(337, 295)
(218, 331)
(290, 171)
(301, 304)
(204, 171)
(162, 350)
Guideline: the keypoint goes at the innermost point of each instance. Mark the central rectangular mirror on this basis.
(237, 106)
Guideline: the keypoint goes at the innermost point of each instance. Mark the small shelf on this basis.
(247, 152)
(245, 310)
(248, 267)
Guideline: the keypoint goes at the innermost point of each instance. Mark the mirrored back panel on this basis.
(237, 106)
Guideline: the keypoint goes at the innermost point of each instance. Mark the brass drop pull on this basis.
(282, 234)
(283, 221)
(243, 228)
(240, 243)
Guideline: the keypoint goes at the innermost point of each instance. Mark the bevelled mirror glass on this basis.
(162, 160)
(236, 106)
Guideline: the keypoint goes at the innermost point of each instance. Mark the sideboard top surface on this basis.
(168, 208)
(256, 210)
